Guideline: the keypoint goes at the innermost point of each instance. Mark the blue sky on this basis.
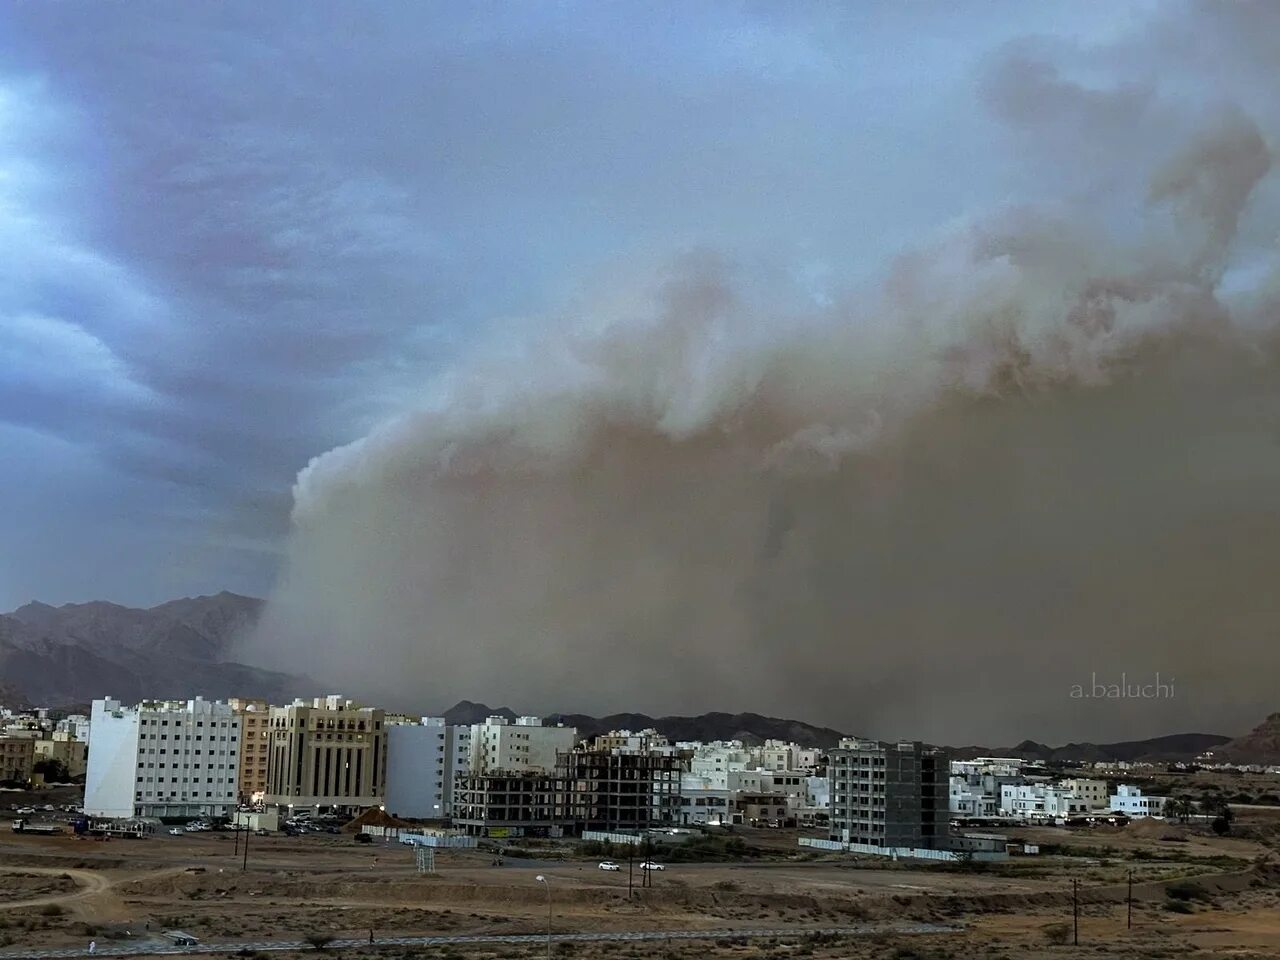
(238, 235)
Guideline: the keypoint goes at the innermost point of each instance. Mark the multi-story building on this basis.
(510, 804)
(645, 741)
(970, 801)
(1129, 799)
(621, 789)
(715, 761)
(706, 801)
(1033, 800)
(888, 794)
(17, 755)
(423, 761)
(255, 748)
(1095, 793)
(526, 746)
(329, 752)
(162, 758)
(75, 724)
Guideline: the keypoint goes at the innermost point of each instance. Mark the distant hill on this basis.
(1260, 745)
(1174, 747)
(73, 653)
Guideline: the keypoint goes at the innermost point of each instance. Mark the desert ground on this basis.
(1196, 895)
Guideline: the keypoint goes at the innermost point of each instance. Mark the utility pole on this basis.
(1075, 912)
(245, 864)
(546, 883)
(631, 869)
(235, 828)
(1129, 901)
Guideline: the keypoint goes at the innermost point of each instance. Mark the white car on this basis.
(176, 831)
(650, 865)
(26, 810)
(609, 865)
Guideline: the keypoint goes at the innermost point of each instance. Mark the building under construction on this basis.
(503, 804)
(616, 790)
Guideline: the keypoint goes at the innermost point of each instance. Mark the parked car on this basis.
(650, 865)
(364, 838)
(176, 831)
(609, 865)
(262, 832)
(26, 810)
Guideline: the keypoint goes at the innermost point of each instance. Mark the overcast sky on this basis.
(238, 235)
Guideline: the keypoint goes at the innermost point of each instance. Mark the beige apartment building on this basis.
(66, 749)
(326, 752)
(17, 755)
(255, 748)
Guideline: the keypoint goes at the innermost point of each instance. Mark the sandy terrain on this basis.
(60, 891)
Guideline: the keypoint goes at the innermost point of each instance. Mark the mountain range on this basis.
(68, 655)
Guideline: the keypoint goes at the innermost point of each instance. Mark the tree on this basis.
(53, 770)
(1185, 808)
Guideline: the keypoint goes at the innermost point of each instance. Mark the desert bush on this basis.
(319, 940)
(51, 910)
(1055, 932)
(1186, 890)
(1178, 906)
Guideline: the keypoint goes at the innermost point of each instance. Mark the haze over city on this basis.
(897, 368)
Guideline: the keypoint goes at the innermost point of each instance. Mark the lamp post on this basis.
(543, 880)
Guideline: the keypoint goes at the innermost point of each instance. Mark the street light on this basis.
(543, 880)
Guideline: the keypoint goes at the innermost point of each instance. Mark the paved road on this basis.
(154, 948)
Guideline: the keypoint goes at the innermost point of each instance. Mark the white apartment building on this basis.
(1031, 800)
(526, 746)
(76, 726)
(717, 760)
(162, 759)
(1129, 800)
(989, 766)
(966, 800)
(705, 804)
(780, 755)
(423, 759)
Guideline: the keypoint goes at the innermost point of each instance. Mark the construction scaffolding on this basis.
(620, 791)
(505, 805)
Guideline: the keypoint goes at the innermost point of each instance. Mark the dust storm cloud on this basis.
(1042, 445)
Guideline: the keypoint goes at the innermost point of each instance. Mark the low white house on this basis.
(1129, 800)
(967, 800)
(1039, 800)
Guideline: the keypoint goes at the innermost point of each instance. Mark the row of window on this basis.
(223, 751)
